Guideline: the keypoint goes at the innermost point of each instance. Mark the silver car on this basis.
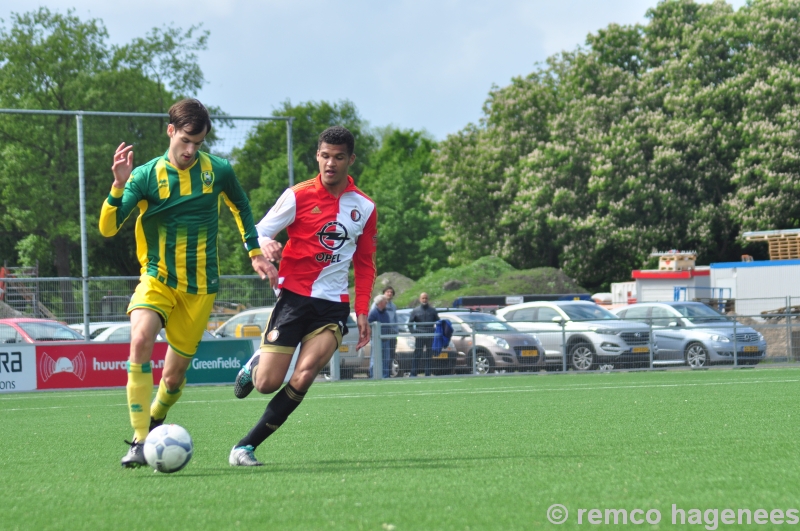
(695, 334)
(593, 336)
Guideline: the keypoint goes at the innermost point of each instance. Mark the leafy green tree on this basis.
(57, 61)
(681, 132)
(409, 237)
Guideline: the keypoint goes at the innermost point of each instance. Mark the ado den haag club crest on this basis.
(207, 178)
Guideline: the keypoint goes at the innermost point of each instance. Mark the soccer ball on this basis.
(168, 448)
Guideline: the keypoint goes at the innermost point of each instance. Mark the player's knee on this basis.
(303, 378)
(173, 381)
(266, 386)
(141, 346)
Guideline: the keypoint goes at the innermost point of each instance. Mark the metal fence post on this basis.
(474, 354)
(651, 344)
(334, 366)
(376, 351)
(735, 346)
(564, 346)
(789, 328)
(84, 239)
(290, 150)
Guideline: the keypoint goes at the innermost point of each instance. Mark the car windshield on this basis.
(483, 322)
(49, 331)
(699, 313)
(586, 312)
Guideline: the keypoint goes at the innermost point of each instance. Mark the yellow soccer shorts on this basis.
(185, 315)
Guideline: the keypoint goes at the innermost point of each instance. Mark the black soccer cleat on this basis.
(135, 456)
(155, 423)
(243, 385)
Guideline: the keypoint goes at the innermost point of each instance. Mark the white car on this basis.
(119, 332)
(592, 336)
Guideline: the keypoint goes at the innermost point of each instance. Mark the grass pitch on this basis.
(484, 453)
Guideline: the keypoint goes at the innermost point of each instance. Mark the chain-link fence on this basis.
(62, 298)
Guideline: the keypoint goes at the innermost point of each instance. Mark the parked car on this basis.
(448, 361)
(31, 330)
(594, 336)
(695, 334)
(121, 332)
(498, 346)
(243, 323)
(94, 328)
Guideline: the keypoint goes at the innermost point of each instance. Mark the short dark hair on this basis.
(191, 115)
(387, 288)
(336, 136)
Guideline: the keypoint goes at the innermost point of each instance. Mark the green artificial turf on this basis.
(482, 453)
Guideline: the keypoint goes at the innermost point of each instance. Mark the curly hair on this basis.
(336, 136)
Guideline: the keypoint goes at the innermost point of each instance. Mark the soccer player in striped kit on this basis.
(330, 223)
(178, 196)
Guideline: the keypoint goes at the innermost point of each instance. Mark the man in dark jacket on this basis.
(422, 321)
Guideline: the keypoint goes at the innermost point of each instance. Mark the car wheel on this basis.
(581, 357)
(484, 362)
(394, 372)
(697, 356)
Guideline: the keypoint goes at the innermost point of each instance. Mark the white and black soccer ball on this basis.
(168, 448)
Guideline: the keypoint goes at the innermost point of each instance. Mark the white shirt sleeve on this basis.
(280, 216)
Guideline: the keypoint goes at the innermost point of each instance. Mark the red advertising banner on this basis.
(82, 365)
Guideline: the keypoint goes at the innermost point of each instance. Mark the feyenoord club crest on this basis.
(273, 335)
(355, 215)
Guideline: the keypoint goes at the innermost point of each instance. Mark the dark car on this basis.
(31, 330)
(496, 345)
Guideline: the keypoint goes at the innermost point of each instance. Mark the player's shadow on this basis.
(355, 465)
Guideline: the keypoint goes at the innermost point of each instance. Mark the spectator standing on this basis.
(391, 311)
(422, 321)
(380, 314)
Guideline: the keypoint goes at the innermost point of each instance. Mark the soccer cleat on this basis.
(156, 423)
(243, 456)
(243, 385)
(135, 456)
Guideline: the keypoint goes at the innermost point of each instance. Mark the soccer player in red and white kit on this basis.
(330, 223)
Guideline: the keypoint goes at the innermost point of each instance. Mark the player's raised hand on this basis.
(272, 250)
(265, 269)
(364, 331)
(123, 165)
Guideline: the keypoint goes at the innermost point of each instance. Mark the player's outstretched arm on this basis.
(123, 197)
(265, 269)
(364, 331)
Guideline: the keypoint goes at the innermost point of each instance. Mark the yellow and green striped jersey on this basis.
(176, 231)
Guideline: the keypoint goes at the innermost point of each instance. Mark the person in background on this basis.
(380, 314)
(422, 321)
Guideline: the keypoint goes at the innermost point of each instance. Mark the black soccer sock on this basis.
(278, 410)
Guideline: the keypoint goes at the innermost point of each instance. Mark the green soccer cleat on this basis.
(243, 456)
(135, 456)
(243, 385)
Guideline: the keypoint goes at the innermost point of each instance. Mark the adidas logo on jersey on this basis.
(316, 210)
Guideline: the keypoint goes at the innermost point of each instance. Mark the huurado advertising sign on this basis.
(82, 365)
(17, 367)
(86, 365)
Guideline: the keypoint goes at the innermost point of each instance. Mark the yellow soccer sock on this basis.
(165, 399)
(140, 389)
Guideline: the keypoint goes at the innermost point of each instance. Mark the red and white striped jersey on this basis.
(325, 234)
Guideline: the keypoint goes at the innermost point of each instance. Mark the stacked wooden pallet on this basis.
(783, 244)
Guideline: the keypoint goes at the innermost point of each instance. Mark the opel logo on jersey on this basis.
(333, 235)
(355, 215)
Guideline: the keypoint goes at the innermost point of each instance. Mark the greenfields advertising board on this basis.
(219, 361)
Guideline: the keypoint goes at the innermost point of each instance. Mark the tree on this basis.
(678, 133)
(409, 237)
(57, 61)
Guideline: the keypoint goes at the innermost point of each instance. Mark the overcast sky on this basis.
(420, 64)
